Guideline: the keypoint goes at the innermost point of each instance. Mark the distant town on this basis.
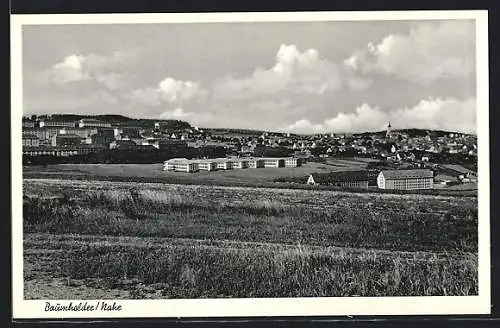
(66, 138)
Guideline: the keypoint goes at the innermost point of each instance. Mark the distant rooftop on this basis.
(344, 176)
(408, 174)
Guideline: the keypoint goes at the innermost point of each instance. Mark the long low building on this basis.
(346, 179)
(60, 151)
(195, 165)
(406, 179)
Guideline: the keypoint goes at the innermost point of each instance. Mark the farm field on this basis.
(146, 240)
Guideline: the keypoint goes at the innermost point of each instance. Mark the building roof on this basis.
(218, 160)
(407, 174)
(90, 120)
(345, 176)
(178, 160)
(458, 168)
(444, 177)
(57, 122)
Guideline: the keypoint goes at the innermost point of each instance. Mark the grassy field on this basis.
(155, 171)
(143, 240)
(262, 177)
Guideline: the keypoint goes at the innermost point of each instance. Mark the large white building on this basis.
(92, 123)
(195, 165)
(180, 165)
(406, 179)
(60, 124)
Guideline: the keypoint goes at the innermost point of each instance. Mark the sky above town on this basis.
(301, 77)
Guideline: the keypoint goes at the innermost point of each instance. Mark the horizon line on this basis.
(247, 128)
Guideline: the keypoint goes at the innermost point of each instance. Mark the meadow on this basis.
(262, 177)
(146, 240)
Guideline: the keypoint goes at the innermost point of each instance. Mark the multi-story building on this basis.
(66, 140)
(239, 163)
(92, 123)
(206, 165)
(406, 179)
(292, 162)
(81, 132)
(56, 124)
(60, 151)
(44, 134)
(180, 165)
(274, 162)
(104, 137)
(223, 164)
(30, 140)
(28, 124)
(255, 163)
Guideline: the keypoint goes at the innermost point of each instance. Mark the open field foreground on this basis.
(229, 176)
(262, 177)
(94, 239)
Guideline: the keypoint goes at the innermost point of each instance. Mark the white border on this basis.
(27, 309)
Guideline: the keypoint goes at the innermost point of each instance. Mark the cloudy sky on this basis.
(299, 77)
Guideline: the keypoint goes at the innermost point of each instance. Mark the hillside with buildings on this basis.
(53, 139)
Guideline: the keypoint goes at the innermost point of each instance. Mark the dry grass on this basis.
(240, 242)
(236, 270)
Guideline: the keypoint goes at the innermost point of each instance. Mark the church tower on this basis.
(388, 132)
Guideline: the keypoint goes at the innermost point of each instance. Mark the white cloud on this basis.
(178, 114)
(305, 127)
(191, 117)
(429, 52)
(69, 70)
(294, 72)
(91, 67)
(173, 90)
(169, 90)
(113, 81)
(148, 96)
(445, 114)
(364, 118)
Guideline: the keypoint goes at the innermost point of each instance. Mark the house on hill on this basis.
(406, 179)
(92, 123)
(346, 179)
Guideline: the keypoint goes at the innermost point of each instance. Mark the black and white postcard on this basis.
(250, 164)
